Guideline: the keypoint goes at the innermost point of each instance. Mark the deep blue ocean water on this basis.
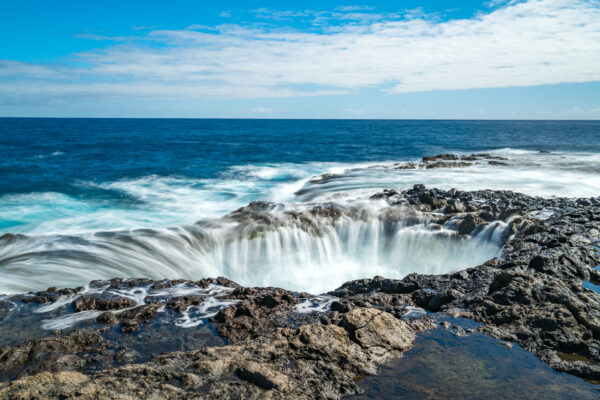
(40, 155)
(173, 171)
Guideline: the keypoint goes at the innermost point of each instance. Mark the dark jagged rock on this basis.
(4, 307)
(445, 157)
(101, 302)
(257, 312)
(531, 295)
(427, 162)
(453, 161)
(180, 304)
(10, 237)
(308, 362)
(131, 318)
(106, 318)
(75, 351)
(469, 224)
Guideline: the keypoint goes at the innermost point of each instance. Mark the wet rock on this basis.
(469, 224)
(584, 202)
(429, 199)
(310, 361)
(452, 161)
(63, 353)
(498, 163)
(441, 164)
(101, 302)
(247, 318)
(141, 313)
(106, 318)
(422, 297)
(340, 307)
(447, 157)
(10, 237)
(454, 206)
(440, 299)
(539, 263)
(180, 304)
(128, 325)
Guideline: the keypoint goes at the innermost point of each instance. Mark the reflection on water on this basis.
(445, 366)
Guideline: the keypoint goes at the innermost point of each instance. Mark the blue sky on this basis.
(513, 59)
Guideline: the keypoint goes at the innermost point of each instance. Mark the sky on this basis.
(498, 59)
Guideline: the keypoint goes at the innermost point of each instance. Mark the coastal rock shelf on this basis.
(213, 338)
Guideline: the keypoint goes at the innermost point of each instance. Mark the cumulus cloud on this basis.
(523, 43)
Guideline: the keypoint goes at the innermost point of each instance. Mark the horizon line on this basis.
(321, 119)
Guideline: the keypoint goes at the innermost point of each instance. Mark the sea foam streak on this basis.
(192, 316)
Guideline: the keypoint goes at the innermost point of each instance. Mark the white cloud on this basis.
(15, 69)
(262, 110)
(354, 8)
(519, 44)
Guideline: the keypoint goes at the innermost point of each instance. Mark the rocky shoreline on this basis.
(215, 339)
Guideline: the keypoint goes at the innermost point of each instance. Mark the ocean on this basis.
(100, 198)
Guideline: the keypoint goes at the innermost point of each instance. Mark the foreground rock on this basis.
(216, 339)
(307, 362)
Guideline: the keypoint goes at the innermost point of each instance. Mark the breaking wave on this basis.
(161, 201)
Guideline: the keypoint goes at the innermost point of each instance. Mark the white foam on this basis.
(316, 304)
(138, 296)
(69, 320)
(186, 289)
(414, 312)
(53, 154)
(543, 214)
(195, 315)
(169, 201)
